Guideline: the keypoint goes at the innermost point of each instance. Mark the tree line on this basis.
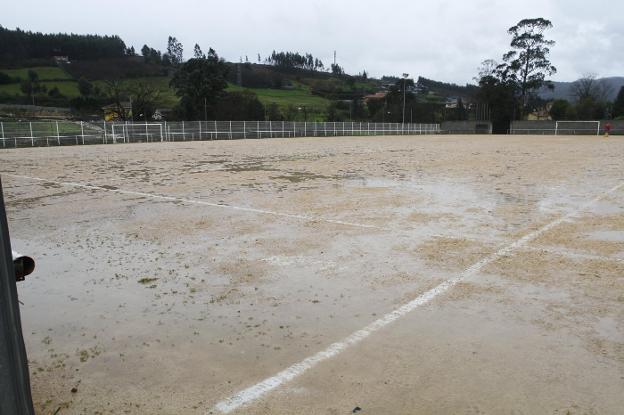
(295, 60)
(590, 101)
(510, 88)
(18, 46)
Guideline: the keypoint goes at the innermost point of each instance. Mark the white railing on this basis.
(57, 133)
(566, 127)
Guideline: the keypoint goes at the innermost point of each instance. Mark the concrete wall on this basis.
(565, 128)
(466, 127)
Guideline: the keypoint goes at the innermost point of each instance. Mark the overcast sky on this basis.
(439, 39)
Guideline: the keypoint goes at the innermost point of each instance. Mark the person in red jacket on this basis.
(607, 129)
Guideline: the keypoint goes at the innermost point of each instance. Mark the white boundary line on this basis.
(256, 391)
(204, 203)
(397, 232)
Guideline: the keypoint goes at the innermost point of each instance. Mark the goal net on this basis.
(128, 132)
(577, 128)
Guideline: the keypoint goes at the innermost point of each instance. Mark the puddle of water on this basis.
(608, 328)
(441, 196)
(608, 236)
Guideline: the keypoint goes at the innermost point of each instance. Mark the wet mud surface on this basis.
(189, 271)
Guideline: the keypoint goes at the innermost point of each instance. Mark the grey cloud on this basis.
(444, 40)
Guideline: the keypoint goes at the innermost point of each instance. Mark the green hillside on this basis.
(288, 99)
(45, 73)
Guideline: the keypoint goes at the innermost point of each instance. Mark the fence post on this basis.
(305, 128)
(105, 139)
(258, 128)
(146, 133)
(200, 131)
(3, 139)
(183, 132)
(32, 137)
(82, 131)
(230, 130)
(244, 129)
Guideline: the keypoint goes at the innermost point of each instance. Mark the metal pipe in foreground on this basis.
(24, 265)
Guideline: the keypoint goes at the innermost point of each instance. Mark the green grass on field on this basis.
(44, 72)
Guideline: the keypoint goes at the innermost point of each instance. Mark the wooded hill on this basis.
(299, 85)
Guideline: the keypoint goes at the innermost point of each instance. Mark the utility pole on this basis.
(405, 75)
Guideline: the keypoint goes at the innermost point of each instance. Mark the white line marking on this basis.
(256, 391)
(397, 232)
(204, 203)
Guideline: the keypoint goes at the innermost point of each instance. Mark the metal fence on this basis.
(545, 127)
(60, 133)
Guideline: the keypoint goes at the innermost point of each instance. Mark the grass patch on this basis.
(44, 72)
(67, 88)
(146, 280)
(298, 96)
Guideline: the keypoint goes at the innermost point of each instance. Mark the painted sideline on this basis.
(201, 202)
(398, 232)
(256, 391)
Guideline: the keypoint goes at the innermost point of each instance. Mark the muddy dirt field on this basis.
(372, 275)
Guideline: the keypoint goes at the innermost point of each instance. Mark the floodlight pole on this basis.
(405, 75)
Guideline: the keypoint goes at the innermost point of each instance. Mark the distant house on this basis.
(451, 102)
(114, 112)
(61, 59)
(376, 95)
(541, 114)
(162, 113)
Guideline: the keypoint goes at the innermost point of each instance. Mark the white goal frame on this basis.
(597, 123)
(125, 135)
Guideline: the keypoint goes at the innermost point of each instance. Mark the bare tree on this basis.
(117, 92)
(145, 98)
(488, 68)
(589, 87)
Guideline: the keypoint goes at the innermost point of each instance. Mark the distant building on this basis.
(376, 95)
(61, 59)
(114, 112)
(451, 102)
(541, 114)
(161, 113)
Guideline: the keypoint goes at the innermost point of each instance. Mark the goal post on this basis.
(137, 132)
(577, 128)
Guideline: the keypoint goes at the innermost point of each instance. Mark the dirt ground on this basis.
(171, 276)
